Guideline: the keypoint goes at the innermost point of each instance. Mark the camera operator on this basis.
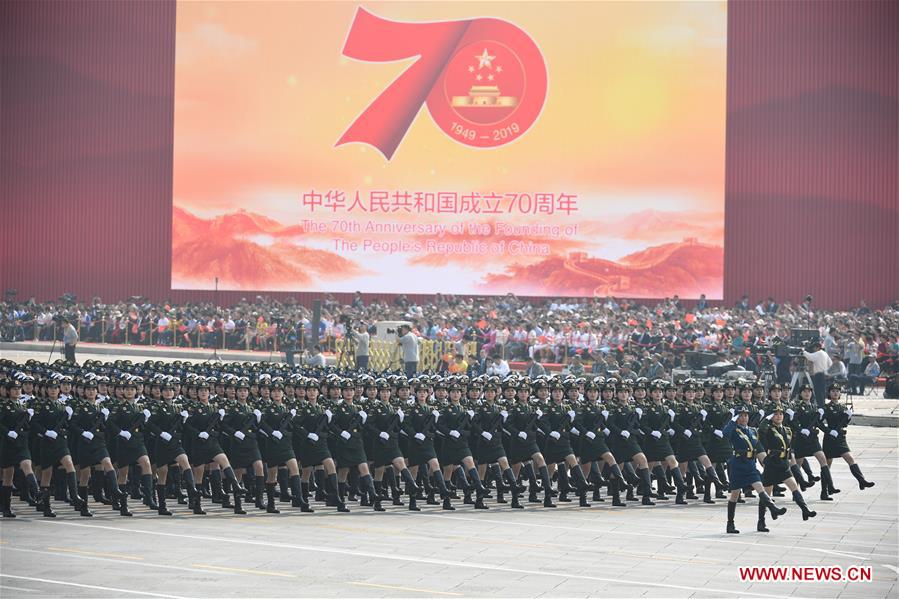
(289, 341)
(69, 339)
(363, 339)
(817, 364)
(409, 344)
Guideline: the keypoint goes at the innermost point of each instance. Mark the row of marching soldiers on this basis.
(115, 432)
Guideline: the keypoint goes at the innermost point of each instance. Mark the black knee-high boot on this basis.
(658, 472)
(547, 487)
(297, 490)
(441, 483)
(479, 488)
(731, 512)
(722, 476)
(760, 526)
(412, 492)
(563, 484)
(496, 474)
(796, 471)
(581, 483)
(426, 488)
(765, 500)
(857, 473)
(6, 502)
(647, 486)
(799, 500)
(83, 494)
(146, 483)
(827, 483)
(319, 476)
(532, 482)
(368, 483)
(123, 503)
(177, 479)
(215, 481)
(160, 501)
(270, 499)
(615, 491)
(259, 483)
(807, 468)
(390, 484)
(513, 487)
(45, 503)
(333, 493)
(283, 486)
(680, 484)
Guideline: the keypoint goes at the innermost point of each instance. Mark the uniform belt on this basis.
(743, 454)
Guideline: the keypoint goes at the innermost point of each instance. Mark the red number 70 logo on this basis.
(483, 79)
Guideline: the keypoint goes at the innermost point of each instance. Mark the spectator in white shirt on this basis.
(498, 366)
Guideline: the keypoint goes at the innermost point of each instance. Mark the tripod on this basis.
(215, 302)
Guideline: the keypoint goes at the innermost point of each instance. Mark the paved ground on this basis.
(668, 551)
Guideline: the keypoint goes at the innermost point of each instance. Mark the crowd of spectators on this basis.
(631, 337)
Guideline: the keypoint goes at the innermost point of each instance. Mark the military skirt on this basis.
(87, 453)
(489, 452)
(657, 450)
(835, 447)
(243, 453)
(742, 472)
(688, 449)
(521, 450)
(52, 450)
(164, 452)
(384, 452)
(557, 449)
(202, 451)
(278, 451)
(127, 451)
(421, 452)
(592, 450)
(776, 471)
(806, 446)
(455, 450)
(14, 451)
(313, 453)
(625, 449)
(352, 452)
(719, 450)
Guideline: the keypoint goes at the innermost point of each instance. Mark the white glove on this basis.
(363, 415)
(384, 435)
(436, 414)
(704, 413)
(329, 414)
(656, 434)
(761, 412)
(420, 436)
(769, 416)
(12, 435)
(293, 411)
(470, 413)
(574, 431)
(734, 419)
(240, 436)
(125, 435)
(626, 434)
(185, 415)
(401, 414)
(504, 414)
(639, 412)
(732, 412)
(277, 435)
(30, 413)
(605, 413)
(606, 432)
(555, 435)
(571, 414)
(51, 434)
(146, 414)
(523, 435)
(718, 434)
(165, 436)
(806, 432)
(312, 437)
(105, 413)
(346, 436)
(790, 413)
(88, 435)
(256, 413)
(834, 433)
(688, 433)
(222, 412)
(821, 411)
(487, 435)
(454, 434)
(671, 413)
(69, 411)
(670, 432)
(849, 413)
(204, 435)
(591, 435)
(539, 413)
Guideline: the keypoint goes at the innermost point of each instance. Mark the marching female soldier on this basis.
(622, 423)
(455, 424)
(590, 421)
(656, 419)
(777, 440)
(557, 424)
(806, 419)
(165, 423)
(384, 424)
(88, 430)
(717, 447)
(346, 426)
(522, 426)
(275, 423)
(242, 426)
(201, 424)
(743, 472)
(418, 425)
(312, 425)
(14, 450)
(688, 423)
(488, 426)
(836, 419)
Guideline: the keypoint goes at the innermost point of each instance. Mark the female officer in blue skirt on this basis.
(743, 472)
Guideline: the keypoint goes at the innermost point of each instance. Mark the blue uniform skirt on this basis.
(742, 473)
